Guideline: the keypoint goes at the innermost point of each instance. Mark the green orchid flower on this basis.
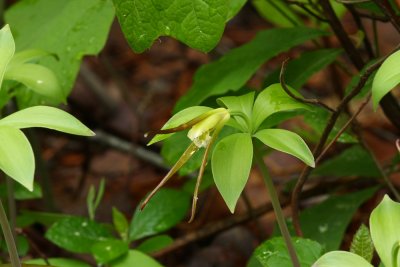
(204, 124)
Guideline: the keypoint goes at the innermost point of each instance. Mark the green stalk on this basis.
(5, 226)
(277, 208)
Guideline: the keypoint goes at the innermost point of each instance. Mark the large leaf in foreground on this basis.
(7, 49)
(164, 210)
(197, 23)
(287, 142)
(236, 67)
(135, 258)
(342, 259)
(273, 252)
(384, 224)
(271, 100)
(70, 29)
(16, 156)
(77, 234)
(46, 117)
(386, 78)
(231, 164)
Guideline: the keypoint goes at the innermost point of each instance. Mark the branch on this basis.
(328, 128)
(299, 99)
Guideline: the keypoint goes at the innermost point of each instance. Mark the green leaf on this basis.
(299, 70)
(234, 7)
(136, 258)
(167, 208)
(271, 10)
(46, 117)
(16, 156)
(287, 142)
(386, 78)
(273, 252)
(242, 105)
(69, 29)
(59, 262)
(354, 161)
(362, 244)
(26, 56)
(322, 223)
(231, 163)
(271, 100)
(384, 226)
(108, 250)
(197, 23)
(7, 49)
(318, 120)
(342, 259)
(155, 243)
(77, 234)
(120, 223)
(21, 193)
(27, 218)
(237, 66)
(37, 78)
(178, 119)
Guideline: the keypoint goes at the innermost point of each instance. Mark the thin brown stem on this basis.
(299, 99)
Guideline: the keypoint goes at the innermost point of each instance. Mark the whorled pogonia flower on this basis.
(204, 130)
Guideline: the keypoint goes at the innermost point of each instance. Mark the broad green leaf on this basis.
(120, 223)
(178, 119)
(155, 243)
(299, 70)
(135, 258)
(37, 78)
(362, 244)
(342, 259)
(242, 105)
(16, 156)
(322, 223)
(271, 100)
(69, 29)
(287, 142)
(273, 252)
(318, 120)
(108, 250)
(26, 56)
(7, 49)
(237, 66)
(231, 164)
(272, 11)
(167, 208)
(354, 161)
(384, 226)
(59, 262)
(77, 234)
(27, 218)
(386, 78)
(197, 23)
(234, 7)
(46, 117)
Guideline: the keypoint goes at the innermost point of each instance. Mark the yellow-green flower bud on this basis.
(200, 132)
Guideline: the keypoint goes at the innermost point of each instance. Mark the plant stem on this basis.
(12, 249)
(12, 210)
(277, 207)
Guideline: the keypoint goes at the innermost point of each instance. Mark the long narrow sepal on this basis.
(183, 126)
(182, 160)
(201, 171)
